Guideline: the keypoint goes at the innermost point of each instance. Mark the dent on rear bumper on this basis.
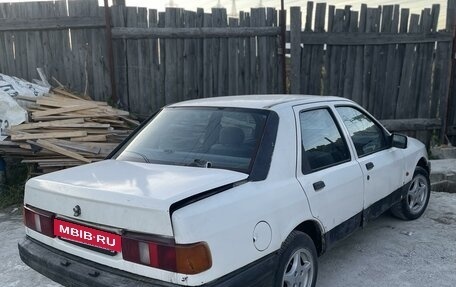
(70, 270)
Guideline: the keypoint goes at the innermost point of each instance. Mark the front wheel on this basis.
(298, 265)
(413, 205)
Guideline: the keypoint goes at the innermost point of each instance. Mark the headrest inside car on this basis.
(232, 136)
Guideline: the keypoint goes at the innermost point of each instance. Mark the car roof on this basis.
(256, 101)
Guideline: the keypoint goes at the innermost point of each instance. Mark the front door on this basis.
(382, 165)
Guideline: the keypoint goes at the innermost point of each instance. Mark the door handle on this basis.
(318, 185)
(369, 165)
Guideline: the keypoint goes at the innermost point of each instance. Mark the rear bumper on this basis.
(70, 270)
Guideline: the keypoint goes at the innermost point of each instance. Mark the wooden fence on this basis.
(179, 55)
(67, 41)
(394, 63)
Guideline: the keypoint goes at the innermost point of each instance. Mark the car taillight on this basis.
(39, 220)
(180, 258)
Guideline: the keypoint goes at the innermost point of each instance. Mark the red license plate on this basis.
(86, 235)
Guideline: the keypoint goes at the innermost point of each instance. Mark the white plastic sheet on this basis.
(14, 87)
(11, 113)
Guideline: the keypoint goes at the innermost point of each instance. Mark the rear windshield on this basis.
(225, 138)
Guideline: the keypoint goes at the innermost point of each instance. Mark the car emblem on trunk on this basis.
(77, 210)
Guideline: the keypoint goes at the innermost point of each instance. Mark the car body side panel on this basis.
(226, 221)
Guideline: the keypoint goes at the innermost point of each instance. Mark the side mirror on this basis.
(399, 141)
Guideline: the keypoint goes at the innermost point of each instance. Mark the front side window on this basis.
(204, 137)
(366, 135)
(322, 143)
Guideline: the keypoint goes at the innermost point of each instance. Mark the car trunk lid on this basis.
(125, 195)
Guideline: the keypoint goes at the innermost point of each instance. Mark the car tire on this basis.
(297, 263)
(413, 205)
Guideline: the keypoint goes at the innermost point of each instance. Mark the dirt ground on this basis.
(388, 252)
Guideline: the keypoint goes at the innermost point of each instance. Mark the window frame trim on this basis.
(305, 166)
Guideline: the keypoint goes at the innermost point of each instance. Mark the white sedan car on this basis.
(229, 191)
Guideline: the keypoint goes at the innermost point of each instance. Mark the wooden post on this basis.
(295, 39)
(112, 74)
(282, 49)
(449, 101)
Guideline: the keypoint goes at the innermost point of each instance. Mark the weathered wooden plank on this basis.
(359, 60)
(18, 10)
(54, 148)
(342, 60)
(262, 55)
(180, 57)
(142, 101)
(219, 19)
(100, 85)
(335, 54)
(199, 54)
(63, 110)
(351, 59)
(295, 62)
(233, 61)
(91, 138)
(21, 136)
(8, 64)
(49, 59)
(161, 101)
(316, 61)
(76, 146)
(51, 23)
(425, 86)
(170, 59)
(45, 124)
(120, 57)
(132, 47)
(375, 61)
(192, 33)
(355, 39)
(405, 103)
(253, 69)
(399, 62)
(207, 60)
(3, 64)
(245, 57)
(397, 125)
(155, 64)
(387, 92)
(306, 54)
(189, 59)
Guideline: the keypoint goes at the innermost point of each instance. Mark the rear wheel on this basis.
(413, 205)
(298, 262)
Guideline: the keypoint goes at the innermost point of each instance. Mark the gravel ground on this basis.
(388, 252)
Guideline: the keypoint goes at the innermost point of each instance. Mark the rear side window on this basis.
(322, 142)
(366, 135)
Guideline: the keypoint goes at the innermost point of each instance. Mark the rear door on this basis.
(383, 166)
(327, 169)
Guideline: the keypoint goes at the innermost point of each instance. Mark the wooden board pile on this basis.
(65, 130)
